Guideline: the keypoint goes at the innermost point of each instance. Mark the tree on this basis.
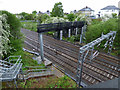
(15, 37)
(71, 17)
(29, 17)
(23, 14)
(114, 15)
(55, 20)
(4, 34)
(34, 12)
(42, 17)
(57, 10)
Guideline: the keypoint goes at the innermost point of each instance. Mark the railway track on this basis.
(65, 55)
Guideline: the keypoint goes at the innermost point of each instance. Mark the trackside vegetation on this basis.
(12, 40)
(15, 37)
(94, 31)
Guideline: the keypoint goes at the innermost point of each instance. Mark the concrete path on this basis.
(115, 83)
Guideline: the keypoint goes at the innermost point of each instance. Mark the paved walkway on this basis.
(115, 83)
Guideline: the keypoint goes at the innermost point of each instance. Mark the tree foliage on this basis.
(57, 11)
(42, 17)
(4, 34)
(114, 15)
(71, 17)
(16, 37)
(27, 16)
(34, 12)
(54, 20)
(23, 15)
(94, 31)
(82, 17)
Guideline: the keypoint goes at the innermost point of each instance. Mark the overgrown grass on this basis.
(63, 82)
(27, 59)
(49, 82)
(30, 26)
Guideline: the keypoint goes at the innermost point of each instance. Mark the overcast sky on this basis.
(18, 6)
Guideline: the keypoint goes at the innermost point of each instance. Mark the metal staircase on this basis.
(35, 71)
(10, 68)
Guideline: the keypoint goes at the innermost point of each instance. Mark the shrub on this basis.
(71, 17)
(94, 31)
(42, 17)
(4, 34)
(16, 37)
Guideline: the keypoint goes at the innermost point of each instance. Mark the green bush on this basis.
(94, 31)
(4, 35)
(71, 17)
(16, 36)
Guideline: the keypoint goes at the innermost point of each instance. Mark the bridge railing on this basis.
(60, 27)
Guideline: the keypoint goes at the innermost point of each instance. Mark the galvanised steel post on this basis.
(79, 68)
(76, 31)
(69, 32)
(91, 56)
(111, 42)
(81, 35)
(41, 46)
(61, 34)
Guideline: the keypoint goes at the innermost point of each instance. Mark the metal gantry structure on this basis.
(10, 68)
(84, 50)
(60, 27)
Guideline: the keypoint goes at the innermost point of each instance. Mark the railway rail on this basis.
(65, 54)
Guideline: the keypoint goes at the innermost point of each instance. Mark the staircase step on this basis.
(36, 74)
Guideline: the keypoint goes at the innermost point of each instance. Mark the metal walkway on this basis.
(108, 84)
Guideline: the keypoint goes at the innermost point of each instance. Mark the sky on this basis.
(18, 6)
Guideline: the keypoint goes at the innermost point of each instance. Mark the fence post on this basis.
(41, 46)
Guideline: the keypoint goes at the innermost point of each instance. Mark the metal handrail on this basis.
(11, 72)
(19, 60)
(11, 56)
